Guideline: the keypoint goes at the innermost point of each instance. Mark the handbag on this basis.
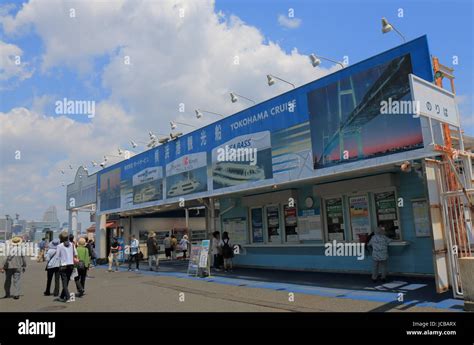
(51, 258)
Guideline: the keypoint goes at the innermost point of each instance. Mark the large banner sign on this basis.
(344, 118)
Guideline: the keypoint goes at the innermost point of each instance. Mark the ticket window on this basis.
(334, 212)
(386, 213)
(359, 213)
(256, 225)
(290, 223)
(272, 213)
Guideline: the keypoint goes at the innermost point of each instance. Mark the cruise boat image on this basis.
(184, 187)
(231, 174)
(148, 193)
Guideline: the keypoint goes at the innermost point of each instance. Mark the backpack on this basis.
(227, 251)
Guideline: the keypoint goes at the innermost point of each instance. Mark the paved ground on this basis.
(243, 290)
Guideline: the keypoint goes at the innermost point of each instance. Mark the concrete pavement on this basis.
(244, 290)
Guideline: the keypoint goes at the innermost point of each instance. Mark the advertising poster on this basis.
(257, 225)
(142, 179)
(242, 160)
(194, 255)
(359, 212)
(273, 223)
(109, 190)
(292, 156)
(204, 254)
(186, 175)
(335, 219)
(237, 229)
(348, 122)
(291, 224)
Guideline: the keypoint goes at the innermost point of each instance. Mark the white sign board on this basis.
(433, 101)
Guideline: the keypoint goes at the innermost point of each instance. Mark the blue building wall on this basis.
(413, 258)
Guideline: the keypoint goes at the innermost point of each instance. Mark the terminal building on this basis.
(333, 159)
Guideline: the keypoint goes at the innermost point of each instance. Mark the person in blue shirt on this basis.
(134, 248)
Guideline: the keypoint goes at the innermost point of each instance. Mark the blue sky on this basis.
(180, 61)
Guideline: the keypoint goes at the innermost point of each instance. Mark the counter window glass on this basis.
(360, 218)
(291, 225)
(273, 223)
(256, 218)
(334, 219)
(386, 213)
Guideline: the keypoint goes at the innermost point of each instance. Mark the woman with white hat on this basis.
(52, 268)
(13, 266)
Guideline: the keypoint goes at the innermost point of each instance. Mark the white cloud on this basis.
(289, 23)
(12, 64)
(173, 60)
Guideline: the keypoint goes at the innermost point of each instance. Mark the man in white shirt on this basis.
(134, 249)
(66, 252)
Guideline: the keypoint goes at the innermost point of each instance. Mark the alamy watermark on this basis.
(242, 154)
(335, 248)
(24, 249)
(75, 107)
(400, 107)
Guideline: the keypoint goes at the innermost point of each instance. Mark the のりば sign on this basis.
(434, 102)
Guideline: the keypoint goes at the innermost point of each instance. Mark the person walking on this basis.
(52, 268)
(216, 250)
(91, 248)
(174, 247)
(84, 261)
(379, 243)
(183, 245)
(152, 249)
(13, 267)
(134, 249)
(227, 251)
(113, 255)
(42, 250)
(167, 244)
(67, 255)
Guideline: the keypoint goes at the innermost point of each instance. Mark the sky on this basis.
(142, 61)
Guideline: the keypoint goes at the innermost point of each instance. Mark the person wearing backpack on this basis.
(52, 269)
(227, 251)
(82, 266)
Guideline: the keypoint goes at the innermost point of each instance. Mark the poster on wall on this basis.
(142, 180)
(309, 225)
(291, 223)
(237, 229)
(386, 211)
(186, 175)
(421, 218)
(360, 221)
(335, 219)
(257, 225)
(273, 223)
(244, 159)
(109, 190)
(348, 122)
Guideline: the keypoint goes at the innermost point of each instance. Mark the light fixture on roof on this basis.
(134, 144)
(119, 150)
(174, 124)
(234, 98)
(200, 111)
(271, 80)
(94, 164)
(387, 27)
(316, 60)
